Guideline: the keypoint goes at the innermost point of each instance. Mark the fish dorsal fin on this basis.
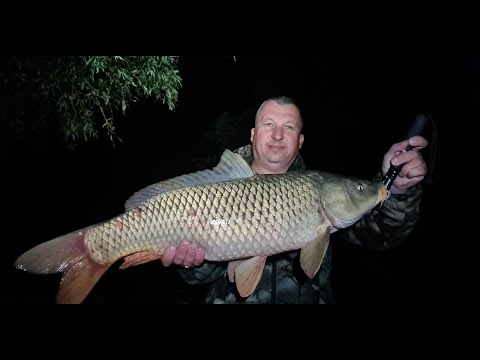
(246, 273)
(231, 166)
(312, 254)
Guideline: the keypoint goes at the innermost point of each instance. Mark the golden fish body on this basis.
(229, 211)
(262, 215)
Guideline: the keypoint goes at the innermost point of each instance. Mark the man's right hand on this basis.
(186, 255)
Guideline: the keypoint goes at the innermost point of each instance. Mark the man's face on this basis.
(276, 138)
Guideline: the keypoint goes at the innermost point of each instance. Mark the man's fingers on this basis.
(190, 256)
(199, 257)
(413, 168)
(416, 172)
(418, 142)
(185, 254)
(168, 255)
(180, 254)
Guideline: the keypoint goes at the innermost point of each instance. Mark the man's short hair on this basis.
(280, 100)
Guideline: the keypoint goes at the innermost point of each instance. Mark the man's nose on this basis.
(277, 134)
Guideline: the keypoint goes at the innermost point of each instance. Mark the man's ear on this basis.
(252, 134)
(300, 141)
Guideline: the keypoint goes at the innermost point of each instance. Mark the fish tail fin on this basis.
(66, 254)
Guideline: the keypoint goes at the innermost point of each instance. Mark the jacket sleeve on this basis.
(205, 273)
(388, 225)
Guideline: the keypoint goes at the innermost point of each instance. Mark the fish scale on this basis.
(229, 211)
(251, 216)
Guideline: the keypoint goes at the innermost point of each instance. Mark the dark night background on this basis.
(354, 108)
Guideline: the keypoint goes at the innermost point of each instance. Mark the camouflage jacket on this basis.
(284, 282)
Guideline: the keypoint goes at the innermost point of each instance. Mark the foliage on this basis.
(83, 89)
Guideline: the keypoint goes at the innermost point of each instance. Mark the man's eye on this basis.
(289, 127)
(268, 124)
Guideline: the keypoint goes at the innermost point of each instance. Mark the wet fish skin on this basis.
(263, 215)
(232, 213)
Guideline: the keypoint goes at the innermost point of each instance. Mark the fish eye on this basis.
(360, 187)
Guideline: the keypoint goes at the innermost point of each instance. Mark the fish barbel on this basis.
(232, 213)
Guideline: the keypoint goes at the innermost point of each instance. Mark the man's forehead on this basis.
(280, 112)
(281, 118)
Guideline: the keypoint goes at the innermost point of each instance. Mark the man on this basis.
(276, 140)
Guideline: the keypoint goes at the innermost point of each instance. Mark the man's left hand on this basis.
(414, 168)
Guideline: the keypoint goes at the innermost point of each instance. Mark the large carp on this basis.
(234, 214)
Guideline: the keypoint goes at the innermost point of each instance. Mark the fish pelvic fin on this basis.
(66, 254)
(312, 254)
(139, 258)
(246, 274)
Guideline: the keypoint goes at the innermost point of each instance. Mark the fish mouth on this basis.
(382, 194)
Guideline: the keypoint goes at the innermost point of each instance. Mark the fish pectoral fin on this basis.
(246, 273)
(311, 255)
(139, 258)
